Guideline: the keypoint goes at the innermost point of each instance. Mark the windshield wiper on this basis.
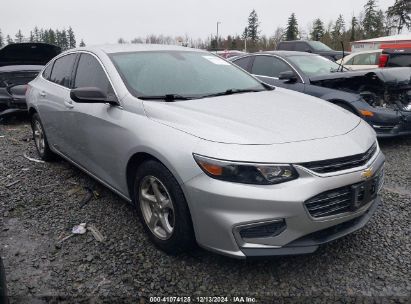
(231, 92)
(167, 97)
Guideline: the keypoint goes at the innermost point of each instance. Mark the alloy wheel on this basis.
(39, 137)
(157, 207)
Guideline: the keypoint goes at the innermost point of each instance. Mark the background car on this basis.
(207, 152)
(361, 60)
(19, 64)
(382, 97)
(395, 57)
(230, 53)
(309, 46)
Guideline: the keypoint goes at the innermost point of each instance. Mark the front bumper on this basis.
(219, 208)
(391, 123)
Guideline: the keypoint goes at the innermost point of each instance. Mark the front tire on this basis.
(163, 209)
(40, 139)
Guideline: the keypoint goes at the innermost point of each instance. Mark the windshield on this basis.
(315, 65)
(182, 73)
(319, 46)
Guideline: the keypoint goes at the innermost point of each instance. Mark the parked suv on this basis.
(206, 151)
(395, 58)
(310, 46)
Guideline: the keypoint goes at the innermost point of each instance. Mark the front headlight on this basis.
(246, 173)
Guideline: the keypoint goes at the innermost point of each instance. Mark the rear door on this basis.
(268, 69)
(55, 106)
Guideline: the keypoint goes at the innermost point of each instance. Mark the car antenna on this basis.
(343, 55)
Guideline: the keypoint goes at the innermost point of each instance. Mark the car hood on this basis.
(390, 76)
(271, 117)
(28, 54)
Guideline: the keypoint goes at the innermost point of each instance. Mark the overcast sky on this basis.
(98, 21)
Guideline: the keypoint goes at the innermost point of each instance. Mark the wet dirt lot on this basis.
(41, 202)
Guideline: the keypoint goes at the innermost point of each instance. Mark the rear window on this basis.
(62, 69)
(400, 60)
(244, 63)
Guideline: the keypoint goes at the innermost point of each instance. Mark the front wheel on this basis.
(163, 209)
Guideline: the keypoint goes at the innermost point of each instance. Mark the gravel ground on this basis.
(45, 203)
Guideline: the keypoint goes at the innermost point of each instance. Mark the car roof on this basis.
(285, 53)
(130, 47)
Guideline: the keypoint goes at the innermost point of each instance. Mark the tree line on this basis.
(372, 22)
(66, 39)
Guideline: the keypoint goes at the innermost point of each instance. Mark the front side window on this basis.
(185, 73)
(269, 66)
(365, 59)
(62, 69)
(91, 74)
(319, 46)
(312, 65)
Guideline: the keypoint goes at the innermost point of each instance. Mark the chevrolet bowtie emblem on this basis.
(367, 173)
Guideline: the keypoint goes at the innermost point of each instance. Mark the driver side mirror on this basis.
(308, 50)
(288, 76)
(92, 95)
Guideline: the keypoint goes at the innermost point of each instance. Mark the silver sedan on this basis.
(206, 152)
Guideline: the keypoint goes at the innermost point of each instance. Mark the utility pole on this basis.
(216, 41)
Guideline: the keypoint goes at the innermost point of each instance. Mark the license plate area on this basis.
(364, 192)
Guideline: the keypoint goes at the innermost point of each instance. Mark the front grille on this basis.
(344, 199)
(330, 203)
(263, 230)
(343, 163)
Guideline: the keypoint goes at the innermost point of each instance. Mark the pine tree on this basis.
(353, 30)
(9, 40)
(52, 37)
(318, 30)
(370, 21)
(339, 28)
(82, 44)
(64, 40)
(292, 28)
(71, 38)
(1, 39)
(252, 29)
(36, 34)
(19, 37)
(400, 12)
(31, 36)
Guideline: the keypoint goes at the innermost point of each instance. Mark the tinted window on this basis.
(62, 69)
(269, 66)
(243, 63)
(91, 74)
(47, 71)
(400, 60)
(286, 46)
(301, 47)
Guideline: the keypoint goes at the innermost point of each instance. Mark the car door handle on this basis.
(69, 104)
(43, 94)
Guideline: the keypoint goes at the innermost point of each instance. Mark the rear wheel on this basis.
(40, 139)
(163, 209)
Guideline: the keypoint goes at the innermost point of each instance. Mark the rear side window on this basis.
(286, 46)
(400, 60)
(244, 63)
(91, 74)
(269, 66)
(47, 71)
(62, 69)
(301, 47)
(366, 59)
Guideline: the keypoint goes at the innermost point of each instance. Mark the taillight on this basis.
(383, 61)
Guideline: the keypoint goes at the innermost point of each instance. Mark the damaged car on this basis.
(19, 64)
(382, 97)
